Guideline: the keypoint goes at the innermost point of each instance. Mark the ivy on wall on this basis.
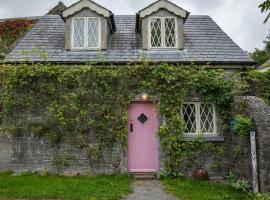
(88, 104)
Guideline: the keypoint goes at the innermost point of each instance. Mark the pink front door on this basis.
(142, 140)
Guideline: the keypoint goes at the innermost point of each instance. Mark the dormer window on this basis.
(161, 25)
(163, 32)
(86, 33)
(85, 21)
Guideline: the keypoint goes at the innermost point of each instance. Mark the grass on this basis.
(68, 188)
(202, 190)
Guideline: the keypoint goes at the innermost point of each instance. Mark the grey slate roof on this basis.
(204, 42)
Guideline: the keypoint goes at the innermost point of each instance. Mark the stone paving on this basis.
(149, 190)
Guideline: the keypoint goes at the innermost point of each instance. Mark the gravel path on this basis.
(149, 190)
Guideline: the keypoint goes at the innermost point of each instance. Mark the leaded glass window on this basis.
(163, 32)
(189, 115)
(199, 117)
(79, 32)
(93, 32)
(170, 32)
(207, 118)
(86, 32)
(155, 32)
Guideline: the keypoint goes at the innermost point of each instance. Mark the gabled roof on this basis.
(92, 6)
(57, 10)
(205, 42)
(163, 4)
(86, 4)
(156, 6)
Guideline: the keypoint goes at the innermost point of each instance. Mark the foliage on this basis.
(237, 150)
(173, 86)
(169, 174)
(259, 84)
(194, 154)
(261, 196)
(237, 184)
(68, 188)
(243, 126)
(265, 7)
(203, 190)
(260, 56)
(90, 103)
(11, 31)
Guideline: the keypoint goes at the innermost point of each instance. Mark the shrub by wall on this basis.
(11, 31)
(259, 84)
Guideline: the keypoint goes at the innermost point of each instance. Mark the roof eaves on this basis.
(242, 63)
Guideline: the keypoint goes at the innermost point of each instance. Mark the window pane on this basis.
(93, 32)
(155, 32)
(170, 38)
(78, 32)
(189, 115)
(207, 118)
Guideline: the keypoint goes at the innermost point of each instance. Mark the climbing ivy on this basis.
(88, 104)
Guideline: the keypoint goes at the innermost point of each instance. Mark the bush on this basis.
(171, 174)
(6, 172)
(237, 184)
(243, 125)
(11, 31)
(261, 196)
(259, 84)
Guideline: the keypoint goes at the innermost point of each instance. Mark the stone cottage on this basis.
(162, 32)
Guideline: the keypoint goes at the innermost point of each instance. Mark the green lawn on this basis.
(69, 188)
(202, 190)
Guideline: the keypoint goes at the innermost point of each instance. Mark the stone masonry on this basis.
(260, 112)
(28, 153)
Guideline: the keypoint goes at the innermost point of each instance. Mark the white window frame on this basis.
(162, 33)
(198, 119)
(85, 44)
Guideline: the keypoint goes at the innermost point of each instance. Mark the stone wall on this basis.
(30, 153)
(260, 112)
(5, 153)
(22, 154)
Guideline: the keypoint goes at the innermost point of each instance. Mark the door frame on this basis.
(158, 144)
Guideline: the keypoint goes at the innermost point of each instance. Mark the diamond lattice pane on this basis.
(78, 32)
(170, 38)
(155, 32)
(142, 118)
(207, 118)
(93, 32)
(189, 115)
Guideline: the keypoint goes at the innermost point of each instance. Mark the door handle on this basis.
(131, 127)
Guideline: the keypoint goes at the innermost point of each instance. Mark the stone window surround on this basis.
(163, 45)
(86, 47)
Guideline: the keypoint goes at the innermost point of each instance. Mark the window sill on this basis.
(85, 49)
(207, 137)
(163, 49)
